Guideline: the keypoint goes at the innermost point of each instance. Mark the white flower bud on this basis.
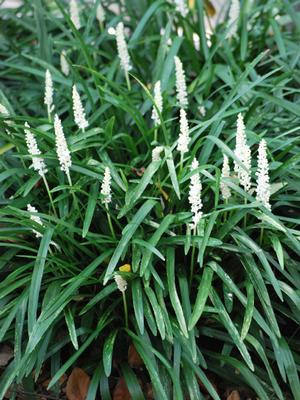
(181, 7)
(195, 196)
(62, 150)
(121, 283)
(48, 99)
(156, 153)
(243, 153)
(106, 187)
(35, 218)
(38, 163)
(100, 13)
(79, 113)
(122, 48)
(263, 191)
(158, 102)
(184, 138)
(74, 14)
(180, 84)
(65, 69)
(225, 190)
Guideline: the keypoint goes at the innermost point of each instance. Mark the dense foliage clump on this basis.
(150, 195)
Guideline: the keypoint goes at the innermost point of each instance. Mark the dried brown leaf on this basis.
(77, 385)
(6, 353)
(234, 395)
(134, 359)
(121, 391)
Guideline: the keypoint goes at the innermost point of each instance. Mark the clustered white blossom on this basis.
(106, 187)
(195, 196)
(79, 113)
(156, 153)
(180, 84)
(263, 180)
(74, 14)
(48, 99)
(65, 69)
(100, 13)
(35, 218)
(62, 150)
(38, 163)
(225, 190)
(243, 153)
(181, 7)
(184, 138)
(3, 110)
(121, 283)
(122, 48)
(233, 18)
(158, 102)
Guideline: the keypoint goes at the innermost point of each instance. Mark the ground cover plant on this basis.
(149, 198)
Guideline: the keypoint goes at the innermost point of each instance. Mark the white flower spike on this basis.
(233, 18)
(48, 99)
(180, 84)
(195, 196)
(63, 153)
(79, 113)
(65, 69)
(35, 218)
(263, 191)
(243, 152)
(181, 7)
(74, 14)
(184, 138)
(38, 163)
(100, 14)
(225, 190)
(159, 104)
(121, 283)
(156, 153)
(106, 187)
(122, 48)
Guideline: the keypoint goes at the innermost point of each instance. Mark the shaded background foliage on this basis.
(55, 311)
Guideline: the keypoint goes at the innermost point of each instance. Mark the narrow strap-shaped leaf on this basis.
(173, 291)
(202, 295)
(71, 326)
(157, 312)
(128, 232)
(229, 325)
(36, 279)
(108, 348)
(137, 300)
(172, 171)
(249, 310)
(90, 208)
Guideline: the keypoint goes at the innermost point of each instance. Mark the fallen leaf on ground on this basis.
(6, 353)
(134, 359)
(77, 385)
(121, 391)
(234, 395)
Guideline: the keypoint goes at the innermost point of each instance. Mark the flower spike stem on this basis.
(125, 309)
(73, 194)
(155, 135)
(181, 163)
(110, 222)
(49, 194)
(193, 258)
(245, 217)
(261, 236)
(127, 80)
